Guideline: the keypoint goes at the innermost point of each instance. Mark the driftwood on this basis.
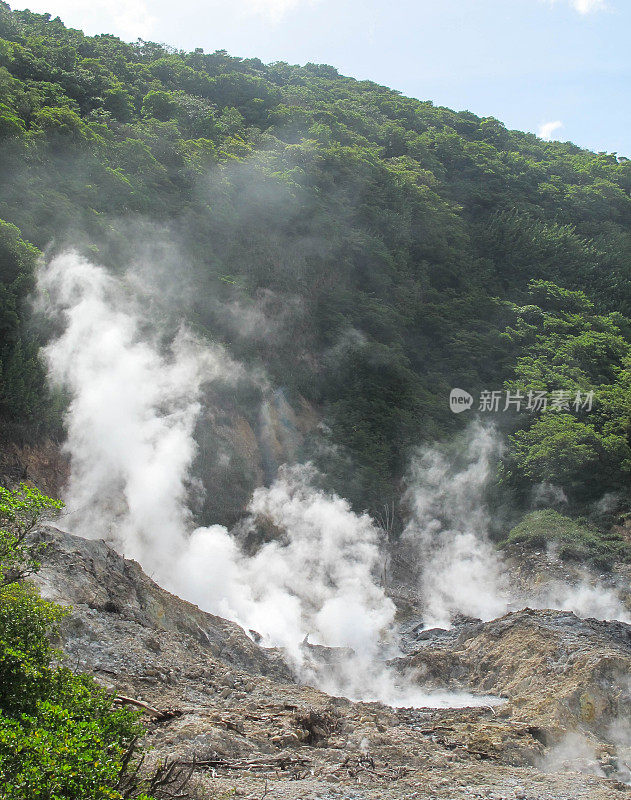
(355, 767)
(157, 714)
(282, 764)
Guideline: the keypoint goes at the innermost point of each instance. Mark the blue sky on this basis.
(561, 68)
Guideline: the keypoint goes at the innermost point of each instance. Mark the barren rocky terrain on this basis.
(213, 696)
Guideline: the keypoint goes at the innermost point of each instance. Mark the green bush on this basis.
(26, 621)
(20, 511)
(10, 124)
(61, 125)
(60, 738)
(161, 105)
(71, 745)
(573, 540)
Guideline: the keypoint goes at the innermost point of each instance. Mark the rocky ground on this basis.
(215, 697)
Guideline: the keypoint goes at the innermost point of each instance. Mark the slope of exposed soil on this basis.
(255, 732)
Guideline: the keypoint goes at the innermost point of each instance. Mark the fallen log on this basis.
(157, 714)
(283, 763)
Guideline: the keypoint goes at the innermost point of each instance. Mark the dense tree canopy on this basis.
(392, 243)
(568, 351)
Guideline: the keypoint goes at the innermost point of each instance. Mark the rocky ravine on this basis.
(238, 708)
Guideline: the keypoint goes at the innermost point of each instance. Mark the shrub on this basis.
(573, 539)
(60, 738)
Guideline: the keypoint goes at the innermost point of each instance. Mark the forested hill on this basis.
(393, 248)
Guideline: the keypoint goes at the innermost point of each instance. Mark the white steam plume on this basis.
(575, 753)
(316, 579)
(132, 412)
(584, 599)
(130, 438)
(134, 407)
(462, 572)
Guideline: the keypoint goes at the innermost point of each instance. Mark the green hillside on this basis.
(399, 249)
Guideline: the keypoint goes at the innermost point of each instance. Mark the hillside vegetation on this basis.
(60, 736)
(393, 249)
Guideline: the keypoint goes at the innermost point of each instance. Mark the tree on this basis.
(119, 102)
(20, 512)
(567, 350)
(558, 448)
(161, 105)
(59, 735)
(62, 126)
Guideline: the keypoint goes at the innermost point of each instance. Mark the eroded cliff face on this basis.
(236, 453)
(41, 463)
(122, 620)
(558, 732)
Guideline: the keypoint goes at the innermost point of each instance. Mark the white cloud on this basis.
(131, 19)
(274, 10)
(584, 6)
(128, 19)
(548, 129)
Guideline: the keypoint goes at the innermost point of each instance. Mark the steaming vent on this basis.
(314, 590)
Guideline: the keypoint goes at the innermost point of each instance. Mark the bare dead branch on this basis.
(157, 714)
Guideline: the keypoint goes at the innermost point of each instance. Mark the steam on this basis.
(315, 579)
(546, 495)
(462, 573)
(136, 395)
(583, 599)
(137, 388)
(130, 426)
(130, 437)
(132, 413)
(576, 753)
